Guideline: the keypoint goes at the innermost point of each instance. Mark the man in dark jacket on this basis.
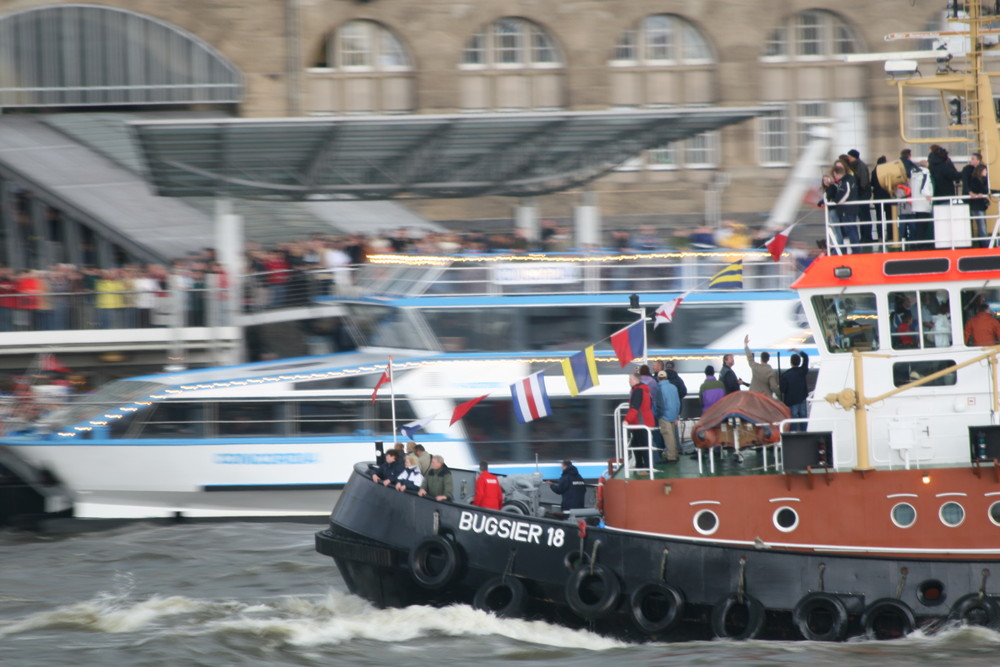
(862, 178)
(390, 469)
(676, 380)
(570, 486)
(943, 173)
(795, 389)
(728, 376)
(437, 482)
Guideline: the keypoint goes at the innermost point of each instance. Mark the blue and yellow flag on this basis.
(730, 277)
(580, 371)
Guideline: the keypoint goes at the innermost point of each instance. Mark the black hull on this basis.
(388, 547)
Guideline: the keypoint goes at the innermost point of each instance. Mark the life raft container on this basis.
(593, 592)
(435, 562)
(656, 607)
(821, 617)
(737, 617)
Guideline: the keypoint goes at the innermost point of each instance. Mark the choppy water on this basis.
(256, 593)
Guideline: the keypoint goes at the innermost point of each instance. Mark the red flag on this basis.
(665, 313)
(463, 409)
(628, 343)
(776, 244)
(49, 363)
(382, 380)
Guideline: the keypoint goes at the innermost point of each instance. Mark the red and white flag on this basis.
(665, 312)
(776, 244)
(386, 377)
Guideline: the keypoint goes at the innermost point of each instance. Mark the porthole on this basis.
(785, 519)
(995, 513)
(904, 515)
(931, 593)
(706, 522)
(952, 514)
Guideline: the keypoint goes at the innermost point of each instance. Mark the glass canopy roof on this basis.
(416, 156)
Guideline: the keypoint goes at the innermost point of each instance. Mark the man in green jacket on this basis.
(437, 482)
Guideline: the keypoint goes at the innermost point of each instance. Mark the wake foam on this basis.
(336, 618)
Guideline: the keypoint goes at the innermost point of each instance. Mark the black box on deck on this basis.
(991, 442)
(806, 448)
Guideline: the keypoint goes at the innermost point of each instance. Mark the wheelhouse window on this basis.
(919, 319)
(847, 321)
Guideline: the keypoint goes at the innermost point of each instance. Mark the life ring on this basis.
(434, 562)
(973, 609)
(503, 596)
(888, 618)
(656, 607)
(593, 592)
(733, 619)
(821, 617)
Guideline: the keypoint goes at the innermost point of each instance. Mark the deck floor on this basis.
(750, 461)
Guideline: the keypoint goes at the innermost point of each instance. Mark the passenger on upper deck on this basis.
(983, 328)
(727, 375)
(843, 210)
(795, 388)
(943, 172)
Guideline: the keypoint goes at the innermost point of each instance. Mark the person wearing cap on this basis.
(670, 411)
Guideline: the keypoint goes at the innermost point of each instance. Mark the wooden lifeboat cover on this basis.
(755, 411)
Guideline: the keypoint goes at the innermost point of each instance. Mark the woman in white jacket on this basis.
(411, 478)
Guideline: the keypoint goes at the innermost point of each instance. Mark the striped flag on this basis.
(729, 277)
(630, 343)
(531, 401)
(581, 371)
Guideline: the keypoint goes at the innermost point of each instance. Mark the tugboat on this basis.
(880, 518)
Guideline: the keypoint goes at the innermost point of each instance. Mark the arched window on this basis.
(510, 65)
(365, 46)
(362, 68)
(810, 35)
(662, 39)
(829, 91)
(511, 43)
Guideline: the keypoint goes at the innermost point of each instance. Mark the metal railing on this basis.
(911, 224)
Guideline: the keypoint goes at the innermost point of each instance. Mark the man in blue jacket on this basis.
(670, 411)
(570, 486)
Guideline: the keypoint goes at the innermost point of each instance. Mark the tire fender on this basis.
(727, 622)
(821, 617)
(888, 618)
(504, 596)
(593, 592)
(973, 609)
(435, 562)
(656, 607)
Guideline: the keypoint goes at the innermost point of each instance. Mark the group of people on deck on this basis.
(850, 187)
(791, 387)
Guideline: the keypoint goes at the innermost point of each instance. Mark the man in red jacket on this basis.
(640, 412)
(488, 491)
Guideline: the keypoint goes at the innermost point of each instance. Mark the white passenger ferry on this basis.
(283, 436)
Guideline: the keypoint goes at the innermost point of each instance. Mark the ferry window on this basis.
(695, 326)
(980, 325)
(173, 420)
(908, 371)
(557, 329)
(847, 321)
(329, 417)
(474, 330)
(382, 326)
(919, 319)
(248, 420)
